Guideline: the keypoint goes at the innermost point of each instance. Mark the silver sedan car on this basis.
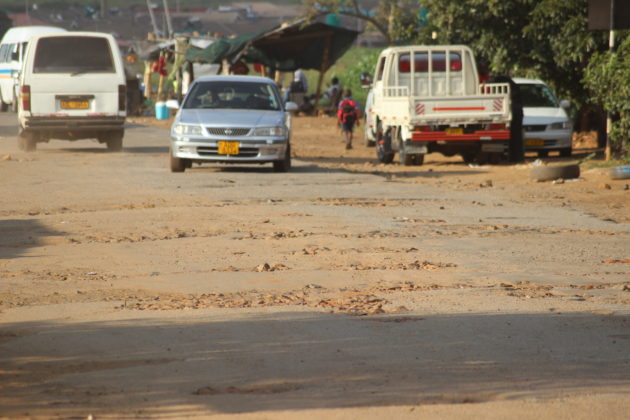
(232, 119)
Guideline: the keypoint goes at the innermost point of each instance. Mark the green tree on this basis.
(607, 76)
(397, 20)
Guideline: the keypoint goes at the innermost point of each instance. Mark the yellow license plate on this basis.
(75, 104)
(454, 131)
(228, 148)
(534, 142)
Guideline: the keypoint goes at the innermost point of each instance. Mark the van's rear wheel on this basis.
(27, 141)
(114, 140)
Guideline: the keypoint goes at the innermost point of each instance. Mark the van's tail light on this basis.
(122, 97)
(423, 128)
(26, 97)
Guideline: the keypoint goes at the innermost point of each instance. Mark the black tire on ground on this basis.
(177, 164)
(114, 140)
(285, 164)
(3, 107)
(543, 153)
(384, 152)
(550, 173)
(566, 152)
(620, 172)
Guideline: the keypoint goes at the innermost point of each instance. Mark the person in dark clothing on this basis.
(516, 148)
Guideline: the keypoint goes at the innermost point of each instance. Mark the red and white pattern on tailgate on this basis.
(419, 109)
(497, 105)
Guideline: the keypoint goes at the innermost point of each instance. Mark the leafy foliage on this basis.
(608, 77)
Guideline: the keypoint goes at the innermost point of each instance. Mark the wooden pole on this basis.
(611, 48)
(322, 70)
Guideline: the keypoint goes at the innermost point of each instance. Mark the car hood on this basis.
(231, 117)
(543, 115)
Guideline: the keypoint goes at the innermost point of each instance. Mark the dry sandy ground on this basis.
(344, 289)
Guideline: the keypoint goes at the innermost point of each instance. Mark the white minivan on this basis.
(72, 87)
(12, 48)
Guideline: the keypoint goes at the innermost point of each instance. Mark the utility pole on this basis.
(103, 7)
(152, 15)
(611, 47)
(169, 24)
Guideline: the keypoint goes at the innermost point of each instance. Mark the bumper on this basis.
(52, 124)
(250, 151)
(479, 135)
(548, 140)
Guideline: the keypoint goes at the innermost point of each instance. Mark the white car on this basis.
(232, 119)
(545, 122)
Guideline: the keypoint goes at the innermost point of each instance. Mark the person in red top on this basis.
(347, 115)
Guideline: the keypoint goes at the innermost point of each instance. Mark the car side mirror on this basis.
(565, 104)
(366, 80)
(291, 107)
(172, 104)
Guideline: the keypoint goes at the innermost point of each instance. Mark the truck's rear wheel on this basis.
(404, 157)
(384, 152)
(418, 159)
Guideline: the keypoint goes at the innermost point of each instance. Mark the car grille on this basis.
(537, 127)
(228, 131)
(214, 151)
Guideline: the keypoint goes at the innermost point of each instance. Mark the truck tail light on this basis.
(122, 97)
(424, 128)
(26, 97)
(497, 126)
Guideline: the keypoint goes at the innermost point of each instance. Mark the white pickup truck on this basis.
(426, 99)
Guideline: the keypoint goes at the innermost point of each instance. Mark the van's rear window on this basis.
(73, 54)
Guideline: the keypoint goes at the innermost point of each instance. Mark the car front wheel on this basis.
(285, 164)
(177, 164)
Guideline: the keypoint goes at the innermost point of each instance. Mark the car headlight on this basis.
(564, 125)
(270, 131)
(186, 129)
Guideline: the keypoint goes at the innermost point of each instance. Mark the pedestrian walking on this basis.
(347, 116)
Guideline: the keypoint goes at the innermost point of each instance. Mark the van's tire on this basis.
(3, 106)
(27, 141)
(550, 173)
(620, 172)
(114, 140)
(285, 164)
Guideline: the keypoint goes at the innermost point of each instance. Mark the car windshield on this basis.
(232, 95)
(73, 54)
(537, 96)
